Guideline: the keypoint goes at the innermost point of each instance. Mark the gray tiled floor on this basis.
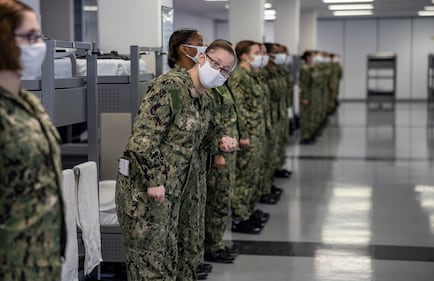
(368, 181)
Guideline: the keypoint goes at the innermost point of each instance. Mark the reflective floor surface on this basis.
(359, 205)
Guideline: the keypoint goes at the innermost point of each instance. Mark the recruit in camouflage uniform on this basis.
(334, 86)
(269, 141)
(285, 98)
(220, 182)
(249, 102)
(32, 230)
(165, 149)
(307, 107)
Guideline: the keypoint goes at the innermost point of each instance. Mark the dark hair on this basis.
(178, 37)
(11, 17)
(306, 54)
(243, 47)
(268, 46)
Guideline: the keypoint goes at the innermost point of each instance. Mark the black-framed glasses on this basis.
(31, 37)
(216, 65)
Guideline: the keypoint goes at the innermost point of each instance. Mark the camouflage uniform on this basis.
(269, 140)
(220, 181)
(307, 111)
(248, 96)
(165, 149)
(32, 229)
(336, 76)
(285, 101)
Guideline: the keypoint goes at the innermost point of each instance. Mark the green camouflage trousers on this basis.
(23, 273)
(247, 179)
(149, 230)
(270, 156)
(283, 140)
(218, 205)
(307, 121)
(191, 226)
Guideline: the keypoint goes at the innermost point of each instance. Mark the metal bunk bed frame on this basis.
(70, 100)
(124, 93)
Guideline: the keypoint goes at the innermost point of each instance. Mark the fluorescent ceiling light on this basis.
(351, 7)
(429, 8)
(353, 13)
(426, 13)
(266, 5)
(270, 12)
(216, 0)
(90, 8)
(269, 17)
(347, 1)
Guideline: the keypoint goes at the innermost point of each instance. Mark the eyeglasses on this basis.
(216, 65)
(31, 37)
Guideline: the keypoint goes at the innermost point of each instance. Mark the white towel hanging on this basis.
(88, 214)
(69, 195)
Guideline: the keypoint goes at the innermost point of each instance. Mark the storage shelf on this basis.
(375, 82)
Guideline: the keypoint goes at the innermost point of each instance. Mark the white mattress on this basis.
(110, 67)
(62, 69)
(107, 204)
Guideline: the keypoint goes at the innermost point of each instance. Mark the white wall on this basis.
(308, 30)
(139, 23)
(409, 38)
(211, 29)
(204, 25)
(269, 33)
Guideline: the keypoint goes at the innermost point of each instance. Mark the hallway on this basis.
(359, 205)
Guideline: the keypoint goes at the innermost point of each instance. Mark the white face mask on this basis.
(279, 58)
(31, 59)
(199, 49)
(210, 77)
(316, 59)
(265, 60)
(256, 61)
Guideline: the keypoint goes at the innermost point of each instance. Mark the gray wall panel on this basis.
(359, 41)
(394, 35)
(423, 44)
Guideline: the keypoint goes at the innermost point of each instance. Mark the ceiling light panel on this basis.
(351, 7)
(347, 1)
(353, 13)
(426, 13)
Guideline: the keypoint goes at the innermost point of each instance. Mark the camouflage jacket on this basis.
(306, 81)
(261, 78)
(289, 92)
(249, 101)
(32, 229)
(278, 89)
(225, 113)
(172, 130)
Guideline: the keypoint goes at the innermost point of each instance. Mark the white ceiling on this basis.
(382, 8)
